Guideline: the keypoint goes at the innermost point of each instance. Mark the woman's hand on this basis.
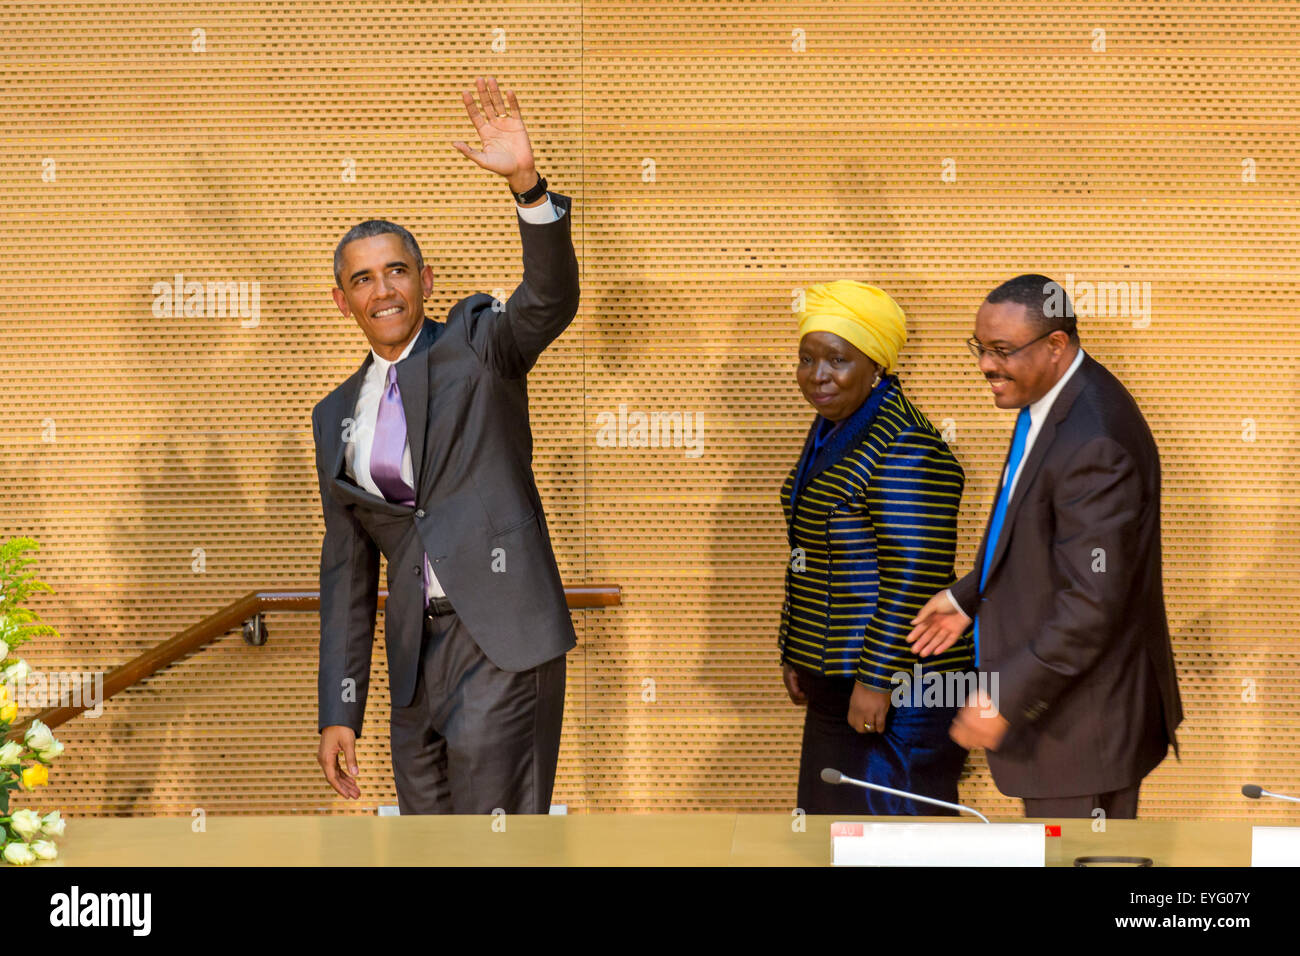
(868, 709)
(792, 685)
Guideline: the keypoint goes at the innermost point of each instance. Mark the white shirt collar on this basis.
(383, 363)
(1039, 409)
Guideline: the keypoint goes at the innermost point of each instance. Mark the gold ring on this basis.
(866, 726)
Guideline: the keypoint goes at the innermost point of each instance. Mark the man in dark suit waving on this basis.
(425, 455)
(1066, 590)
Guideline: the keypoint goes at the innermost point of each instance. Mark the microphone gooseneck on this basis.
(834, 776)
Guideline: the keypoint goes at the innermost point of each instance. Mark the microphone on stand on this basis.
(1254, 791)
(834, 776)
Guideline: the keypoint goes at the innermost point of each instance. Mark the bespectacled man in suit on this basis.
(1066, 590)
(425, 455)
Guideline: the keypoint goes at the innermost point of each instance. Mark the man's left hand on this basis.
(868, 709)
(979, 725)
(506, 149)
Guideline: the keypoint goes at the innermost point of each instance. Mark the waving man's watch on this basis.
(534, 194)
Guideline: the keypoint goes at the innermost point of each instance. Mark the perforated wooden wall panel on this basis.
(720, 156)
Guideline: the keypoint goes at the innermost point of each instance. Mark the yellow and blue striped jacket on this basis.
(872, 535)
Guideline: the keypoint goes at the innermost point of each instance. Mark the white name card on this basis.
(1275, 846)
(938, 844)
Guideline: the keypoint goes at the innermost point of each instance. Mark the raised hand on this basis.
(505, 150)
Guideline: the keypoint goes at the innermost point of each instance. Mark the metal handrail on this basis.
(248, 614)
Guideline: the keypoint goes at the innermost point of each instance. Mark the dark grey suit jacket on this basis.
(1085, 666)
(477, 513)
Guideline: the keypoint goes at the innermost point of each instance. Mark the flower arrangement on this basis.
(25, 835)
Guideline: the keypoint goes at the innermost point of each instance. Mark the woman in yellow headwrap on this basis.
(871, 514)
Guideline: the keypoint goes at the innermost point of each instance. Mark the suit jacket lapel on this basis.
(1029, 467)
(413, 381)
(348, 400)
(849, 436)
(339, 478)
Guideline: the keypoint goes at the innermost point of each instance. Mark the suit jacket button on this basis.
(417, 569)
(419, 512)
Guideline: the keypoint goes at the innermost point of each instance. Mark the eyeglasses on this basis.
(978, 349)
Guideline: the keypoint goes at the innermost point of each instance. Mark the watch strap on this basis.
(534, 194)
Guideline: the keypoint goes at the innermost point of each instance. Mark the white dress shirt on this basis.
(356, 454)
(1037, 415)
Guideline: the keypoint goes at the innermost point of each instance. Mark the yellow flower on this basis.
(8, 712)
(4, 693)
(34, 776)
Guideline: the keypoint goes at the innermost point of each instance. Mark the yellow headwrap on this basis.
(858, 313)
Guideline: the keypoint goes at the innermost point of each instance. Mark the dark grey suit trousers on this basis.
(1119, 804)
(475, 738)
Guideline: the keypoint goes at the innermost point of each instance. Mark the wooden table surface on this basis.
(702, 839)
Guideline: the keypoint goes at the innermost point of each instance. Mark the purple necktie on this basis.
(387, 452)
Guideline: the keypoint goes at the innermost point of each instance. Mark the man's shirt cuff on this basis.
(948, 592)
(546, 212)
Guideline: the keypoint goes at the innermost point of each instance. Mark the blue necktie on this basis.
(1000, 512)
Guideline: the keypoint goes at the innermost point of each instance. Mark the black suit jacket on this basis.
(477, 512)
(1072, 618)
